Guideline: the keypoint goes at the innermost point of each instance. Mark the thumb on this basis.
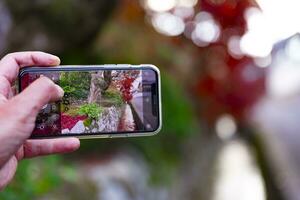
(18, 115)
(29, 102)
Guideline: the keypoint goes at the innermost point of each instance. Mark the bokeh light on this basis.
(292, 49)
(206, 30)
(275, 21)
(166, 5)
(263, 61)
(234, 48)
(284, 77)
(226, 126)
(239, 178)
(184, 12)
(187, 3)
(160, 6)
(168, 24)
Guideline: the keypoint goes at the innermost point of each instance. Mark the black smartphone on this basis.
(99, 101)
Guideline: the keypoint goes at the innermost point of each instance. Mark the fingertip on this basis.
(49, 59)
(60, 90)
(73, 144)
(54, 60)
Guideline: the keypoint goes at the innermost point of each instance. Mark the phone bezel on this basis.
(101, 67)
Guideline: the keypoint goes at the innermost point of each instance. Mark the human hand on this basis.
(18, 113)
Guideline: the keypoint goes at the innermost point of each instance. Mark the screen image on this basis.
(98, 102)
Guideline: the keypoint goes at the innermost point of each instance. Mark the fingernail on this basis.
(60, 90)
(73, 144)
(54, 60)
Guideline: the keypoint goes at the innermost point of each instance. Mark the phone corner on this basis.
(156, 131)
(152, 66)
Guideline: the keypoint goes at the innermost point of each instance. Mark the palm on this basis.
(33, 148)
(8, 171)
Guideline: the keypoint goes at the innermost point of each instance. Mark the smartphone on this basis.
(99, 101)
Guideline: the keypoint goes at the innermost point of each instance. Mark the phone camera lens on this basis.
(41, 126)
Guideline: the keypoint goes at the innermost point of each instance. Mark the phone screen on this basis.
(98, 102)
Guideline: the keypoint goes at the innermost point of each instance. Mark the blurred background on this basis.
(230, 90)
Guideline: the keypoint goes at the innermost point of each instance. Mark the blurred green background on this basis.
(207, 148)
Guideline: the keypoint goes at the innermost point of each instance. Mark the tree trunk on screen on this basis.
(100, 82)
(95, 91)
(107, 79)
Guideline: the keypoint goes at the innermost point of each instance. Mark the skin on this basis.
(18, 114)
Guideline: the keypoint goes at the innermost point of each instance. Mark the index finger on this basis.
(11, 63)
(34, 148)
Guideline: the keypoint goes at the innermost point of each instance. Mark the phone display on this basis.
(97, 101)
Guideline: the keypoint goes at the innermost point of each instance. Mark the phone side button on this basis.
(109, 65)
(123, 65)
(118, 135)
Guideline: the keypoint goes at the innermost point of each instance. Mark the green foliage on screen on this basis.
(92, 110)
(114, 97)
(68, 89)
(76, 84)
